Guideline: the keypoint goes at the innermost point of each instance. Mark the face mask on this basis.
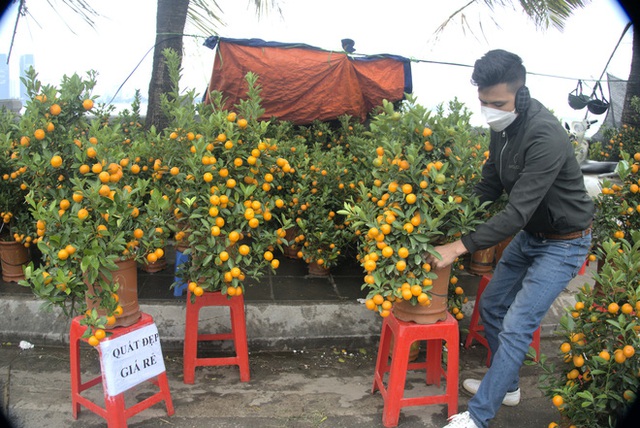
(498, 120)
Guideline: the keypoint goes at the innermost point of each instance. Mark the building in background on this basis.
(5, 82)
(26, 61)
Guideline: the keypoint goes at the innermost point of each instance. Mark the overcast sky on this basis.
(126, 32)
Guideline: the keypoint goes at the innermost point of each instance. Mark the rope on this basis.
(615, 49)
(533, 73)
(173, 36)
(626, 28)
(417, 60)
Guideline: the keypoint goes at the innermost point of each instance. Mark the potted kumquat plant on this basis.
(225, 203)
(287, 175)
(85, 212)
(418, 196)
(597, 377)
(15, 220)
(322, 190)
(618, 204)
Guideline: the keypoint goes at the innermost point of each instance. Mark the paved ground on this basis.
(327, 387)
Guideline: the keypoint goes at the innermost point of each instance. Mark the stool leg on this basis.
(474, 326)
(536, 343)
(190, 349)
(382, 360)
(239, 326)
(453, 367)
(434, 362)
(397, 379)
(583, 269)
(163, 384)
(116, 417)
(74, 359)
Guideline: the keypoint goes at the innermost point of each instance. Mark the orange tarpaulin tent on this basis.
(302, 83)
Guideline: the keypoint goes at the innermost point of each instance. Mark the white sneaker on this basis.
(461, 420)
(510, 399)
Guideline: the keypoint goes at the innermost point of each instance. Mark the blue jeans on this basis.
(530, 275)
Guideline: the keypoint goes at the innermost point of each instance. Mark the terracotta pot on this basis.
(127, 277)
(414, 350)
(316, 270)
(291, 250)
(482, 261)
(182, 244)
(500, 248)
(154, 267)
(13, 255)
(436, 311)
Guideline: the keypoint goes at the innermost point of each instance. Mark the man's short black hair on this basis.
(499, 66)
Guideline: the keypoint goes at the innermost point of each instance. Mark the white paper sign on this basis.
(131, 359)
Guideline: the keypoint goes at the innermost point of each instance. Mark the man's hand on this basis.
(449, 252)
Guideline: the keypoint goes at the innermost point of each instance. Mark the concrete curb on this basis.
(273, 326)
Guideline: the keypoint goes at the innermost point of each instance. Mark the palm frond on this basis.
(546, 13)
(80, 8)
(543, 13)
(266, 6)
(206, 15)
(457, 13)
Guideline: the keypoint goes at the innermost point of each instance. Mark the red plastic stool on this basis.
(238, 335)
(404, 334)
(115, 412)
(475, 327)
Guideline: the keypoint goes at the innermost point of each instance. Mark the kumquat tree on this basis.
(235, 192)
(16, 222)
(85, 213)
(225, 204)
(324, 187)
(618, 202)
(600, 375)
(617, 140)
(418, 195)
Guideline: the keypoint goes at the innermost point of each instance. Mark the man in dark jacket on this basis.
(549, 212)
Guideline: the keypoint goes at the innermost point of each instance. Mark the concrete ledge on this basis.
(274, 326)
(270, 326)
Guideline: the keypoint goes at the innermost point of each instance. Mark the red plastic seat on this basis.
(404, 334)
(115, 412)
(238, 334)
(475, 328)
